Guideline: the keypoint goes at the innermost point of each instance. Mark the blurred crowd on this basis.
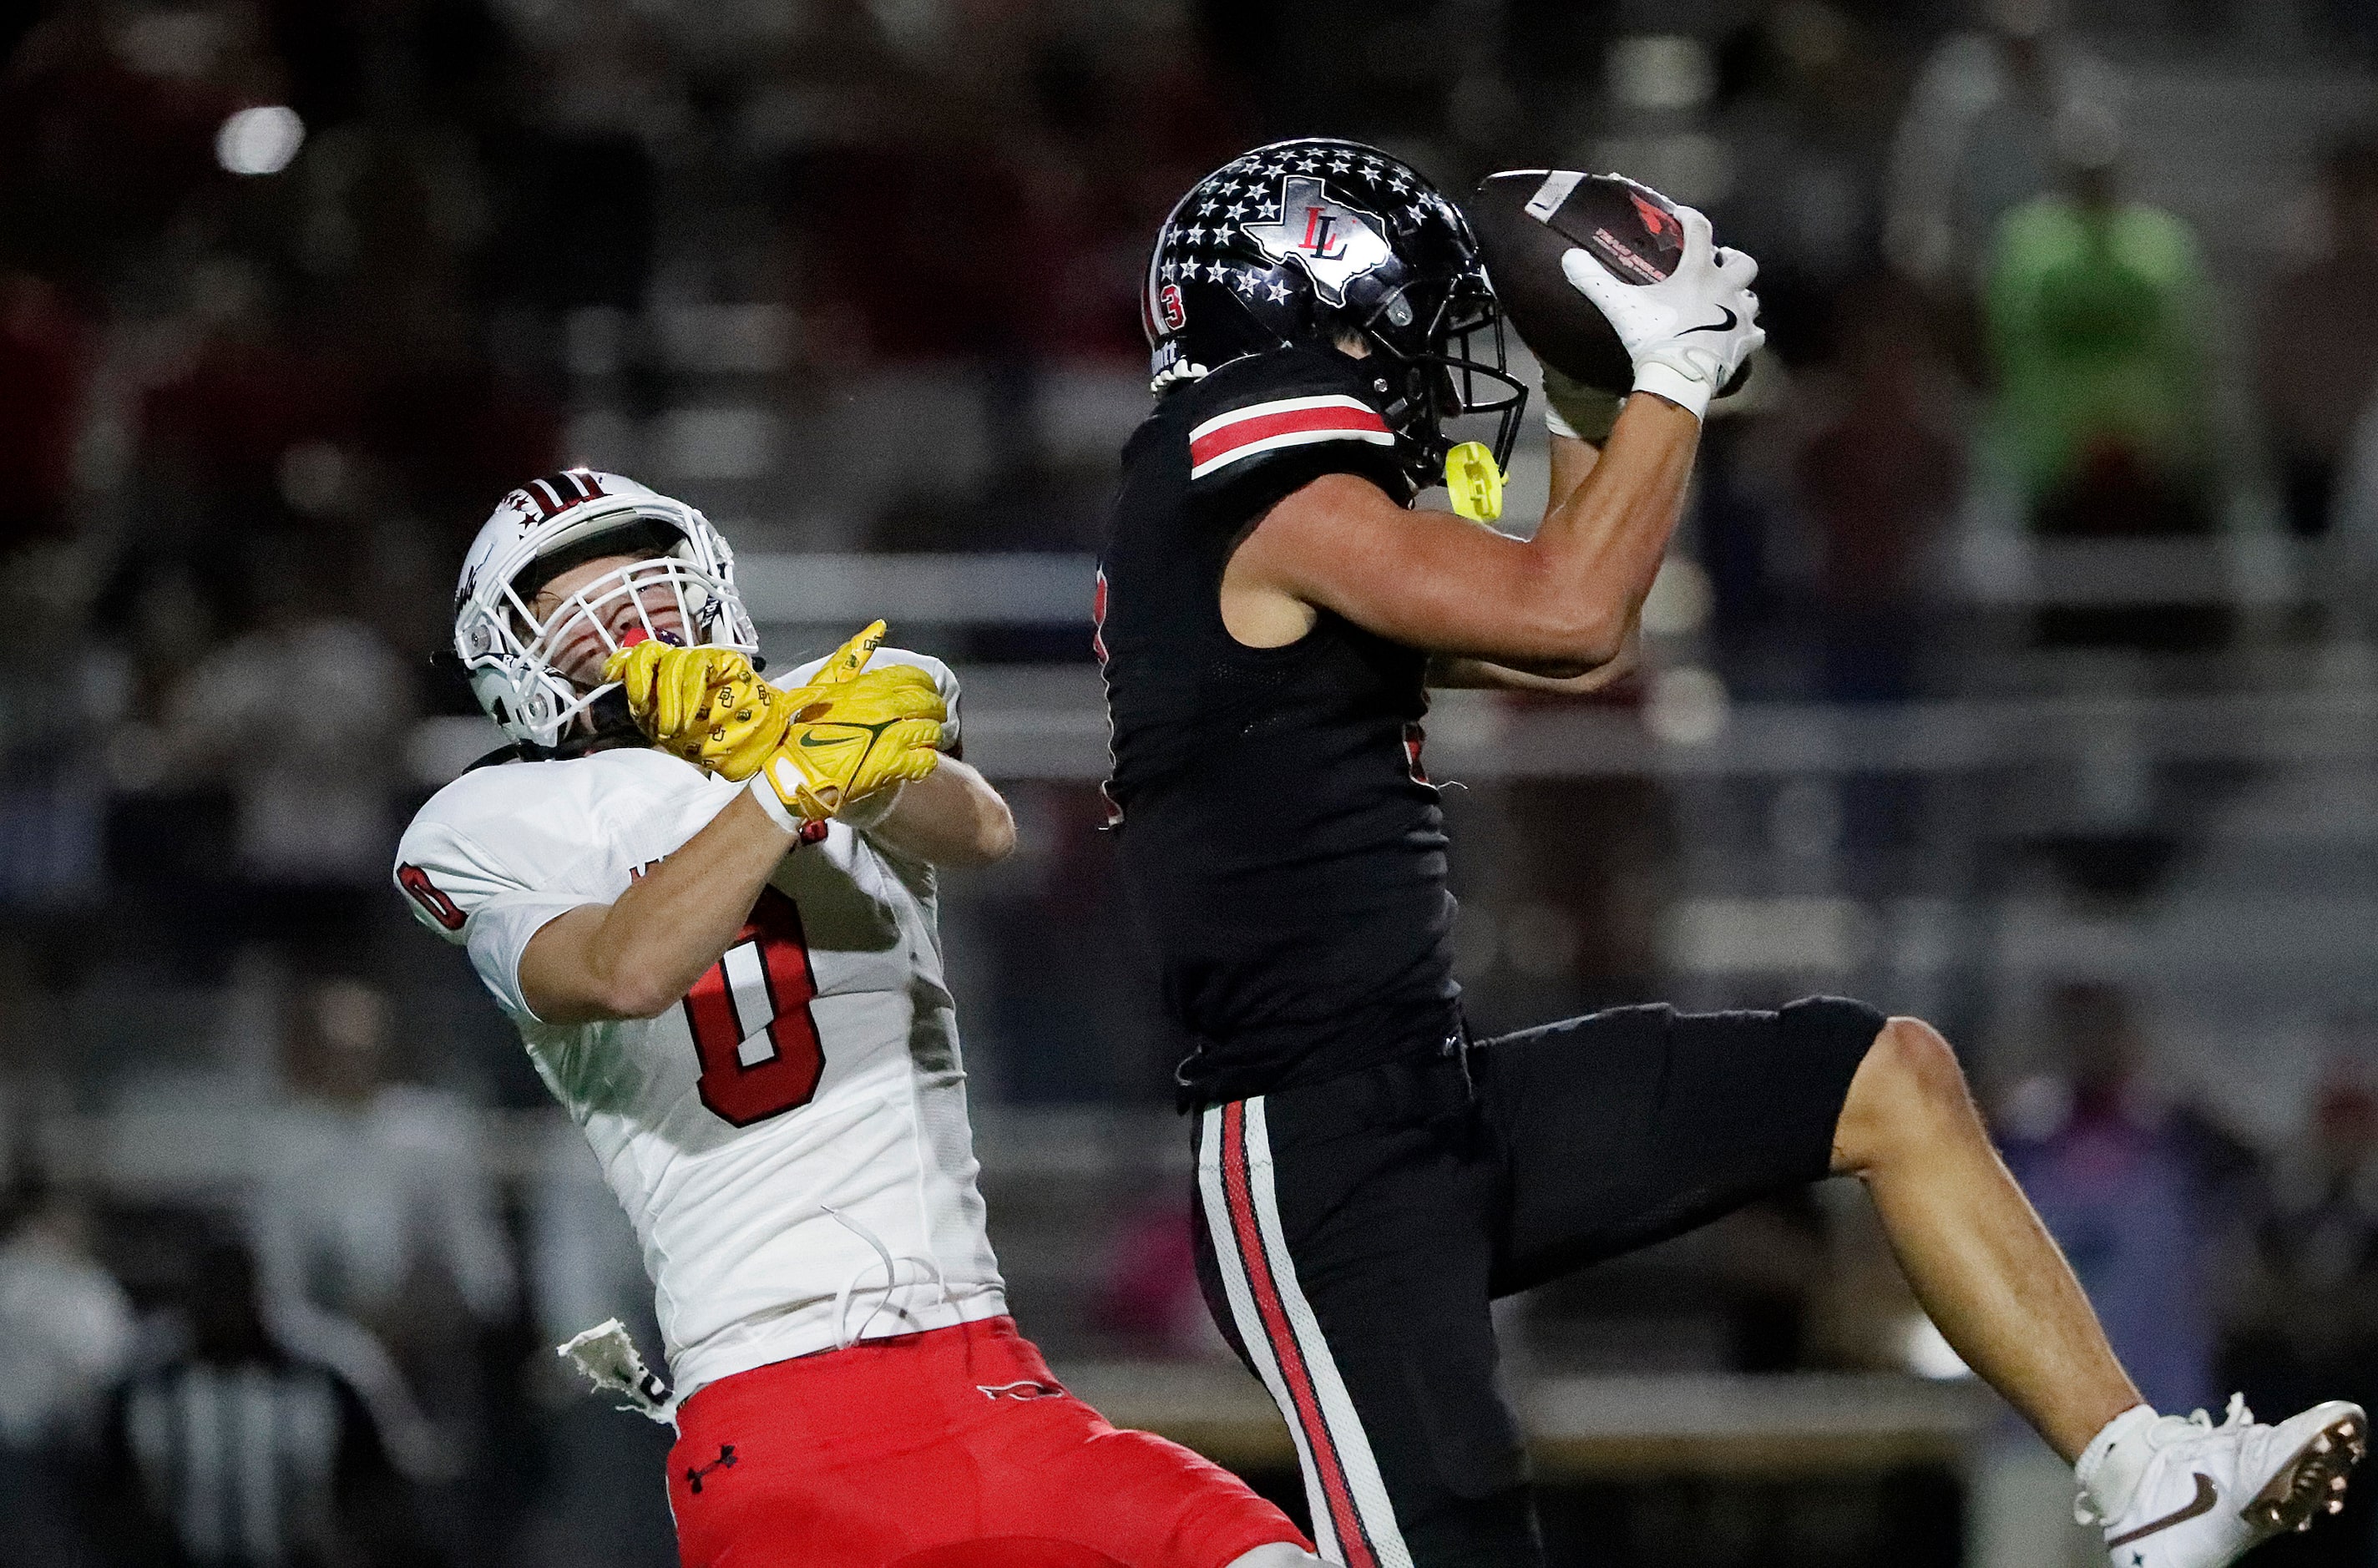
(291, 291)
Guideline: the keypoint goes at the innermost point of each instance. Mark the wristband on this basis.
(774, 804)
(1686, 392)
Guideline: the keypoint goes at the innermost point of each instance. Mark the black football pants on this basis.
(1351, 1233)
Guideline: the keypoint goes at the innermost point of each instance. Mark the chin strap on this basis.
(606, 725)
(1179, 373)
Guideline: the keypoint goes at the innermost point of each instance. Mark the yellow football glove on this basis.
(826, 767)
(854, 731)
(707, 705)
(810, 750)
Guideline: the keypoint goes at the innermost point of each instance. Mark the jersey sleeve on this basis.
(1264, 427)
(459, 889)
(945, 680)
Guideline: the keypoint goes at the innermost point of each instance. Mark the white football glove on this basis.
(1688, 333)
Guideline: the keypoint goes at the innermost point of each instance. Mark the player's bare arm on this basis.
(637, 956)
(1572, 460)
(1483, 675)
(951, 816)
(1430, 579)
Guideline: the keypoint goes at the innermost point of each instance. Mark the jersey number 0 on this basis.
(750, 1016)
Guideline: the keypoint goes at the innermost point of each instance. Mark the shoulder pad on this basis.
(444, 865)
(1286, 401)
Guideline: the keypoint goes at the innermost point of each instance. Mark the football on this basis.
(1526, 219)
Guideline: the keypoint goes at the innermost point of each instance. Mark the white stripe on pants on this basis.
(1296, 1335)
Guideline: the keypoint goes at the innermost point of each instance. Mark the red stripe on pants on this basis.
(1248, 1237)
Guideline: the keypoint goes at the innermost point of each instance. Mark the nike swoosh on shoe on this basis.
(2206, 1496)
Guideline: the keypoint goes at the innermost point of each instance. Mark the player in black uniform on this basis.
(1270, 611)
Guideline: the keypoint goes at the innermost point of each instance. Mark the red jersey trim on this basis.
(1284, 422)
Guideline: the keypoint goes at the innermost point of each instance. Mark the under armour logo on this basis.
(725, 1461)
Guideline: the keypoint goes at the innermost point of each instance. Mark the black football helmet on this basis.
(1312, 240)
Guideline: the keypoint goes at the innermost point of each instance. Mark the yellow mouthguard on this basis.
(1474, 482)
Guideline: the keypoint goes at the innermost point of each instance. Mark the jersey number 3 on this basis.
(750, 1014)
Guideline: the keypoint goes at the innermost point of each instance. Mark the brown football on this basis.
(1526, 220)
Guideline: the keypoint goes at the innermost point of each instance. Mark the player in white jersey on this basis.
(737, 991)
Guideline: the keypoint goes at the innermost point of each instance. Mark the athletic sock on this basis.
(2110, 1468)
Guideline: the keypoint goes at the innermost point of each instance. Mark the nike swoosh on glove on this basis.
(708, 706)
(830, 764)
(1688, 333)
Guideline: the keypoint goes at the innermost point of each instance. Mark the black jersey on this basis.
(1280, 846)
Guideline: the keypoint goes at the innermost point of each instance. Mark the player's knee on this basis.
(1908, 1092)
(1918, 1070)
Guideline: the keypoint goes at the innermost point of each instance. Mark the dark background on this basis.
(2013, 667)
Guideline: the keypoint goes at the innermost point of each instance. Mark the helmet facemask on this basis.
(660, 596)
(1445, 360)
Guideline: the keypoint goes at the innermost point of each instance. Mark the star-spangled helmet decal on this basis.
(1333, 242)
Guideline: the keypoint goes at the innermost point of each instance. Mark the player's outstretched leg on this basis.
(2170, 1491)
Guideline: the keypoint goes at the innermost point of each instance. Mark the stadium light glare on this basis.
(260, 141)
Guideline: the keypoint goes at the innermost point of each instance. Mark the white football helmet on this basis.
(507, 652)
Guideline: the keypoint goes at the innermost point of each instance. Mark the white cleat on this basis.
(2210, 1494)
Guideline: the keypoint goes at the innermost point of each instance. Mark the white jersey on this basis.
(790, 1140)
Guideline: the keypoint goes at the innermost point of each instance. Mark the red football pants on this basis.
(953, 1447)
